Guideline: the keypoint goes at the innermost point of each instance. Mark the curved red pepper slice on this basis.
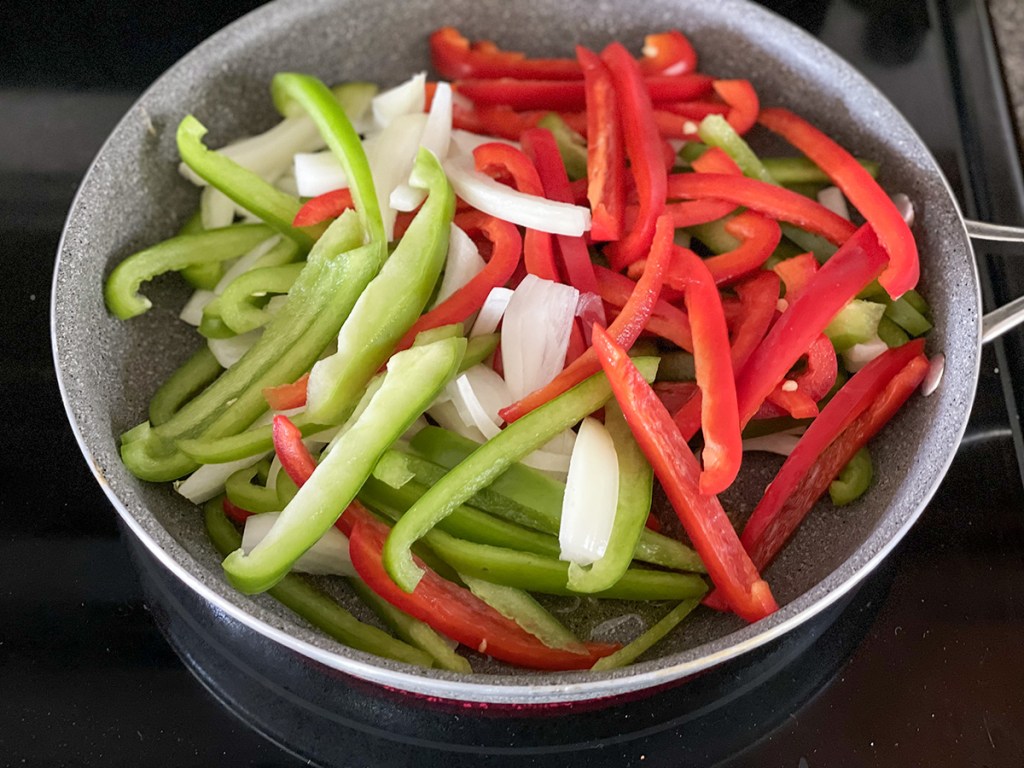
(759, 235)
(715, 160)
(454, 611)
(676, 468)
(842, 277)
(666, 320)
(507, 247)
(643, 148)
(796, 273)
(723, 449)
(759, 297)
(295, 458)
(743, 103)
(538, 247)
(860, 189)
(329, 205)
(689, 213)
(625, 328)
(668, 53)
(776, 202)
(454, 58)
(606, 160)
(812, 384)
(235, 513)
(695, 110)
(287, 396)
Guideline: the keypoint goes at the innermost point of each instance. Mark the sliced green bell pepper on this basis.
(242, 492)
(855, 323)
(632, 651)
(525, 611)
(197, 373)
(237, 309)
(853, 480)
(571, 146)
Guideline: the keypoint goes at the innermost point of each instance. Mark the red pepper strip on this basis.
(673, 126)
(569, 95)
(676, 468)
(668, 53)
(796, 273)
(643, 148)
(863, 191)
(606, 161)
(775, 202)
(455, 611)
(743, 103)
(813, 383)
(235, 513)
(507, 246)
(329, 205)
(759, 236)
(858, 410)
(538, 247)
(653, 523)
(854, 266)
(286, 396)
(577, 343)
(295, 458)
(715, 160)
(693, 212)
(666, 321)
(723, 449)
(453, 58)
(674, 394)
(695, 110)
(758, 298)
(625, 328)
(541, 148)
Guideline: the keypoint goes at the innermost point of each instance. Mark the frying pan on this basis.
(133, 196)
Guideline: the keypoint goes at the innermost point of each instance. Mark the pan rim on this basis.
(489, 688)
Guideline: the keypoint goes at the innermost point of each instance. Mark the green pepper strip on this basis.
(855, 323)
(413, 631)
(337, 131)
(892, 334)
(355, 98)
(200, 276)
(636, 485)
(486, 463)
(246, 188)
(464, 521)
(413, 380)
(632, 651)
(237, 309)
(320, 300)
(524, 495)
(243, 493)
(197, 373)
(903, 313)
(216, 245)
(571, 145)
(391, 303)
(546, 575)
(802, 170)
(853, 480)
(525, 611)
(314, 606)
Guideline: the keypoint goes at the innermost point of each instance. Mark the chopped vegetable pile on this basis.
(457, 331)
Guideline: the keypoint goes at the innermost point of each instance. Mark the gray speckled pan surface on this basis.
(133, 196)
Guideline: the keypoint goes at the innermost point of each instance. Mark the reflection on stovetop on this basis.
(922, 668)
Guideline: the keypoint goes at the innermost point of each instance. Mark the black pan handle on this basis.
(1008, 316)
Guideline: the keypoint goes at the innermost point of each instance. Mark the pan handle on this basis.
(1008, 316)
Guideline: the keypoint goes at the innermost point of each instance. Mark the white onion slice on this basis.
(216, 209)
(535, 333)
(436, 137)
(591, 495)
(445, 414)
(192, 312)
(859, 355)
(932, 379)
(245, 263)
(391, 156)
(229, 351)
(483, 192)
(832, 198)
(480, 393)
(463, 264)
(491, 312)
(905, 206)
(207, 481)
(408, 98)
(318, 173)
(329, 556)
(464, 142)
(781, 443)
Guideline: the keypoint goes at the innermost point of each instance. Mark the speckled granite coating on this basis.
(133, 196)
(1008, 23)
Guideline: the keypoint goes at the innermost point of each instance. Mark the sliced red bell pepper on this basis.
(625, 328)
(235, 513)
(693, 212)
(643, 148)
(759, 236)
(671, 125)
(676, 468)
(577, 343)
(772, 201)
(668, 53)
(295, 458)
(606, 158)
(454, 58)
(859, 410)
(674, 394)
(666, 320)
(743, 103)
(842, 277)
(812, 383)
(796, 273)
(329, 205)
(723, 449)
(454, 611)
(758, 296)
(861, 189)
(506, 248)
(538, 247)
(287, 396)
(715, 160)
(695, 110)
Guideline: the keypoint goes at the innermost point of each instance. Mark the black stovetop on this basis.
(923, 668)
